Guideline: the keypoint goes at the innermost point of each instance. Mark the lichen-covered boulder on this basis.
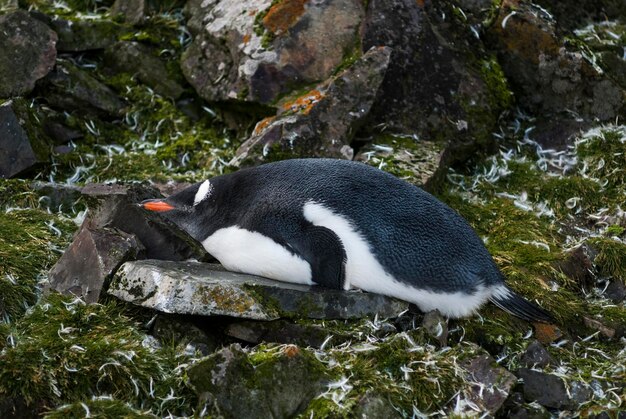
(264, 385)
(28, 53)
(208, 289)
(548, 74)
(71, 88)
(321, 122)
(255, 51)
(22, 144)
(138, 59)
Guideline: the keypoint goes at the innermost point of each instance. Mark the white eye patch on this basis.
(204, 191)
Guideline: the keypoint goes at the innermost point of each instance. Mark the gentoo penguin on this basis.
(344, 225)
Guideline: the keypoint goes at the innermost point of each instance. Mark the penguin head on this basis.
(191, 209)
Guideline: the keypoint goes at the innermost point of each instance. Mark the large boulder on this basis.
(277, 385)
(207, 289)
(255, 51)
(321, 122)
(22, 144)
(28, 53)
(549, 74)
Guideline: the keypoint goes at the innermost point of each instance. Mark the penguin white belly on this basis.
(241, 250)
(363, 270)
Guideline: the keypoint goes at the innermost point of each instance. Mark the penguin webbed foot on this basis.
(328, 257)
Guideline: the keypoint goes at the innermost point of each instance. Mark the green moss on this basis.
(403, 369)
(98, 408)
(65, 351)
(29, 245)
(602, 156)
(497, 84)
(17, 193)
(407, 158)
(611, 258)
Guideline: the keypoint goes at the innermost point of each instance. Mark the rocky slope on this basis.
(510, 112)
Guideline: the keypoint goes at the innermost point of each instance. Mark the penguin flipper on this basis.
(323, 249)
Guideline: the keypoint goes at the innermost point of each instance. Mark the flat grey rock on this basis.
(208, 289)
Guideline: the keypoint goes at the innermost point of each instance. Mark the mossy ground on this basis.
(64, 351)
(31, 240)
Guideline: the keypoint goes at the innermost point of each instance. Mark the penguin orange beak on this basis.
(156, 205)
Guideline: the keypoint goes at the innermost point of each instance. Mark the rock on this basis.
(493, 383)
(276, 386)
(547, 74)
(319, 123)
(257, 50)
(115, 206)
(56, 196)
(440, 84)
(88, 264)
(558, 132)
(476, 11)
(609, 330)
(205, 289)
(515, 407)
(60, 133)
(573, 14)
(550, 390)
(616, 291)
(86, 35)
(372, 405)
(28, 53)
(408, 158)
(176, 329)
(281, 331)
(536, 356)
(71, 89)
(22, 145)
(133, 11)
(436, 326)
(135, 58)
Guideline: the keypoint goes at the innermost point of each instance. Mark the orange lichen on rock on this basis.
(291, 350)
(260, 126)
(304, 103)
(421, 3)
(246, 38)
(283, 15)
(547, 333)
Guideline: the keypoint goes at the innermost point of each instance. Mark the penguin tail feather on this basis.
(506, 299)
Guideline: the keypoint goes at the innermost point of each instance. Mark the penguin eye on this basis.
(204, 191)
